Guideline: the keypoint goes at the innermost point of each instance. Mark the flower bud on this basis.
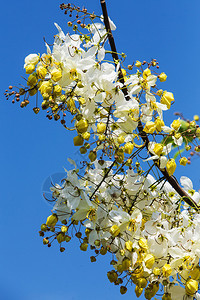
(56, 74)
(146, 73)
(183, 161)
(167, 98)
(32, 80)
(32, 59)
(92, 155)
(114, 230)
(149, 261)
(166, 270)
(82, 126)
(195, 273)
(41, 72)
(44, 227)
(103, 251)
(46, 87)
(158, 148)
(159, 92)
(52, 220)
(162, 77)
(67, 238)
(196, 118)
(138, 291)
(60, 237)
(112, 276)
(156, 271)
(78, 140)
(143, 244)
(30, 68)
(171, 166)
(83, 246)
(101, 127)
(120, 139)
(176, 124)
(150, 127)
(86, 136)
(64, 228)
(128, 148)
(129, 246)
(126, 263)
(57, 90)
(138, 64)
(142, 282)
(191, 287)
(123, 289)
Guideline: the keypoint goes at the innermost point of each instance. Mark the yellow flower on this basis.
(171, 166)
(176, 124)
(166, 269)
(149, 261)
(115, 230)
(128, 148)
(101, 127)
(32, 80)
(52, 220)
(82, 126)
(158, 148)
(146, 73)
(150, 127)
(183, 161)
(56, 75)
(30, 68)
(162, 77)
(191, 286)
(138, 64)
(167, 98)
(41, 72)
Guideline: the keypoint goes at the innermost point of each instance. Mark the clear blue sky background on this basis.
(32, 148)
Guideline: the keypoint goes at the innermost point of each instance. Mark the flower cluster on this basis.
(118, 202)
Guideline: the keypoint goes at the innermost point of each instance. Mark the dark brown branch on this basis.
(171, 179)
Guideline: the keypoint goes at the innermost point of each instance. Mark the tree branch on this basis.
(171, 179)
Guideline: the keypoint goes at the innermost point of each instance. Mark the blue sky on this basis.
(33, 148)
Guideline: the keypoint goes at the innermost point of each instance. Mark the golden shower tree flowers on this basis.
(124, 199)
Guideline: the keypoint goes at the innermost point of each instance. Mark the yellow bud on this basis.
(158, 148)
(83, 246)
(176, 124)
(57, 90)
(142, 282)
(41, 72)
(30, 68)
(156, 271)
(167, 98)
(166, 270)
(177, 135)
(171, 166)
(92, 155)
(112, 276)
(86, 136)
(198, 132)
(128, 148)
(78, 140)
(120, 139)
(123, 289)
(149, 261)
(32, 79)
(46, 87)
(196, 118)
(191, 287)
(129, 246)
(114, 230)
(82, 126)
(146, 73)
(159, 123)
(143, 243)
(150, 127)
(159, 92)
(162, 77)
(101, 127)
(60, 237)
(56, 75)
(126, 264)
(64, 228)
(138, 64)
(183, 161)
(80, 85)
(138, 291)
(81, 100)
(52, 220)
(102, 137)
(195, 273)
